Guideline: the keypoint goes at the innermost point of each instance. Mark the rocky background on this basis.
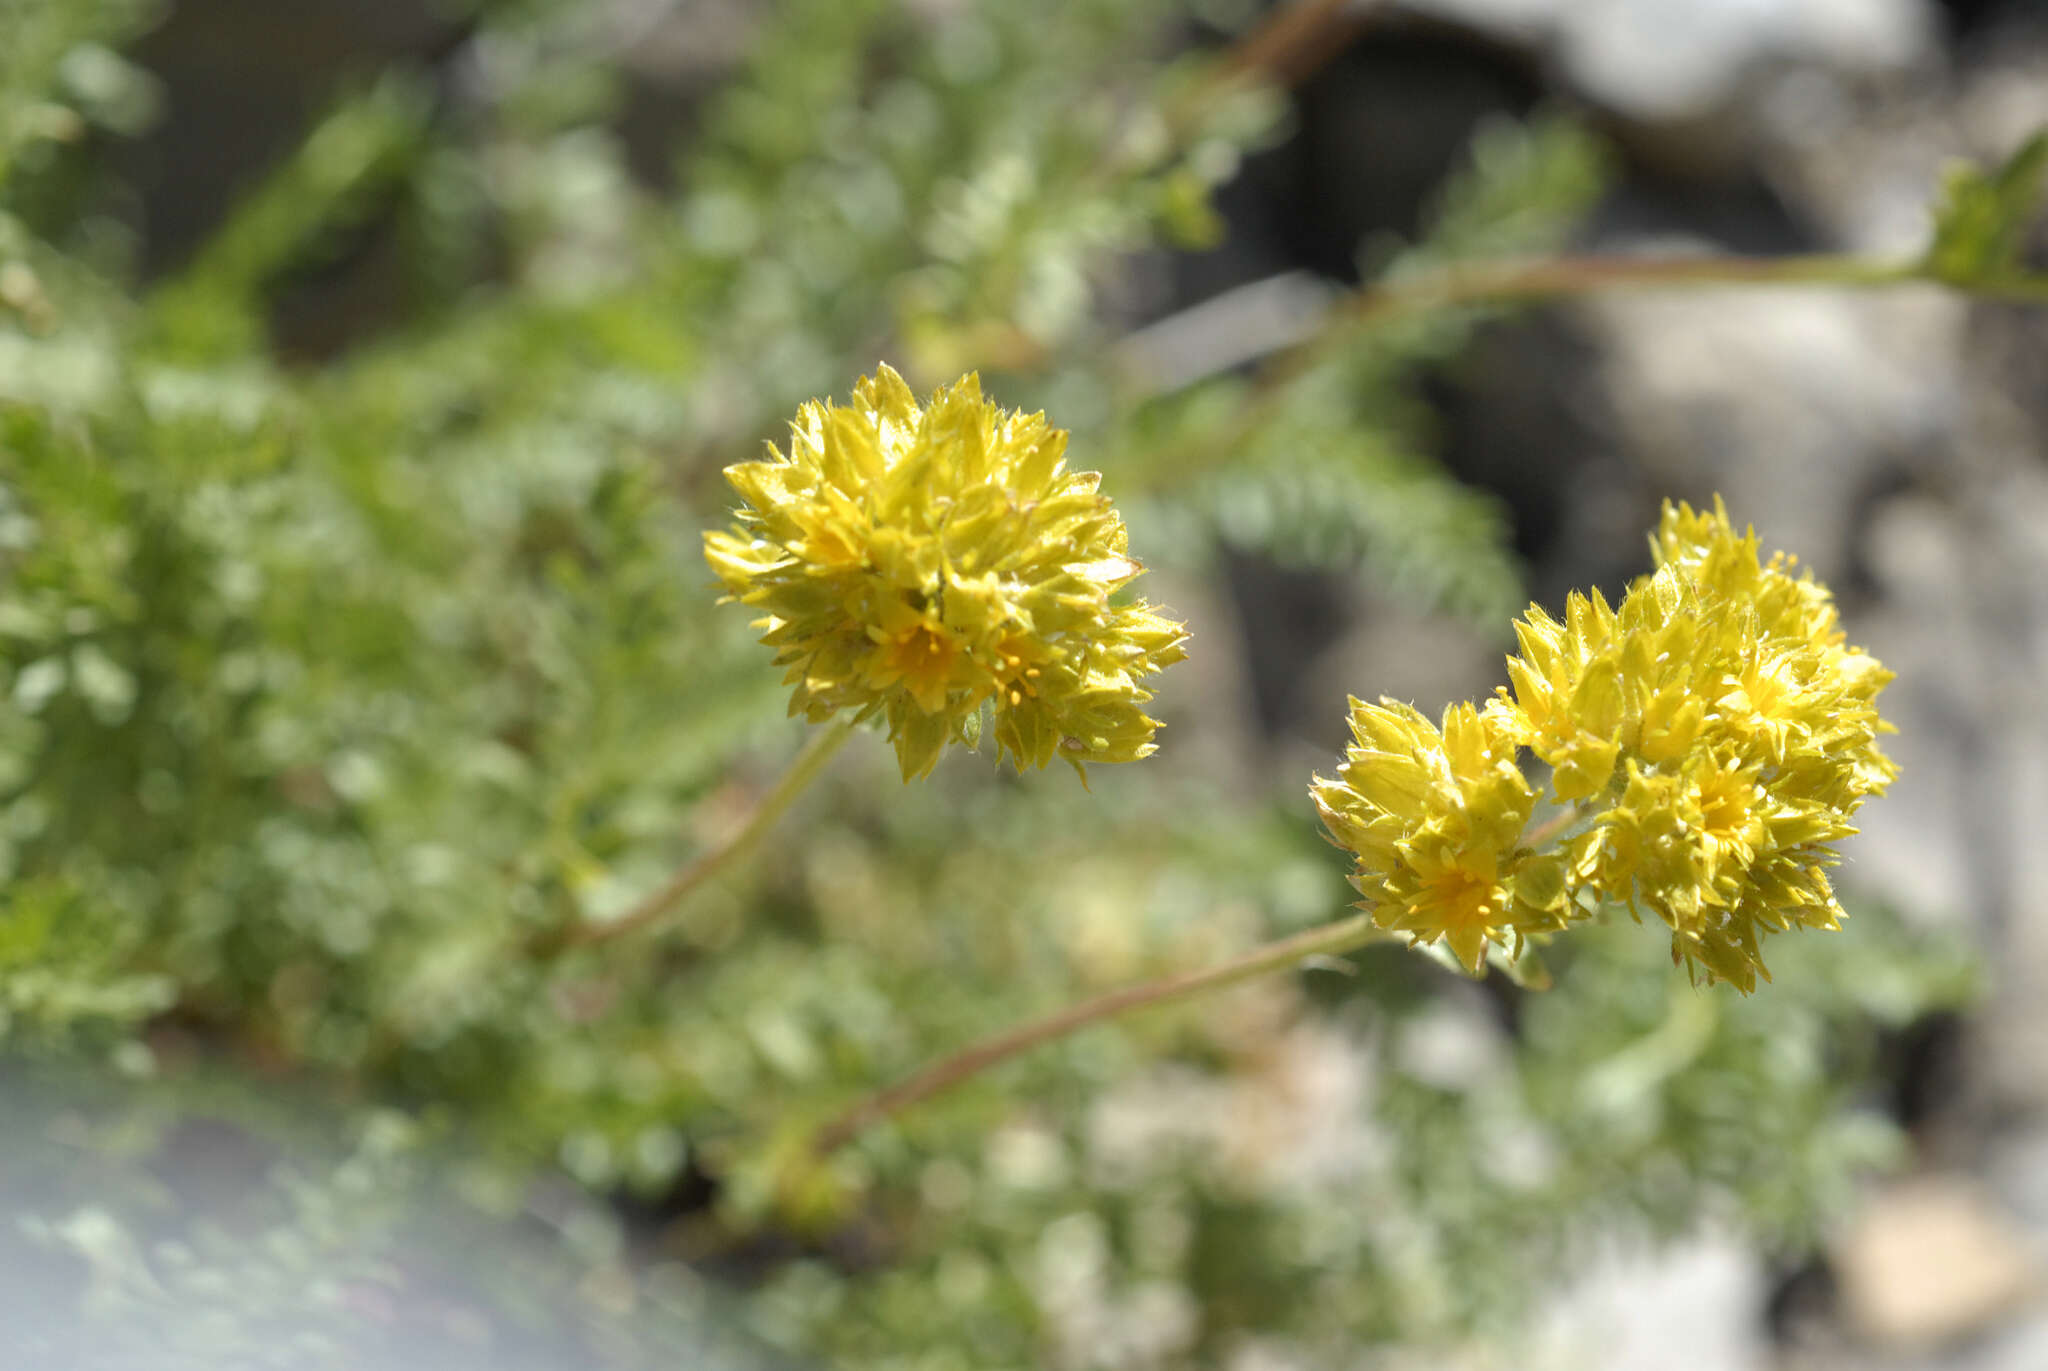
(1898, 439)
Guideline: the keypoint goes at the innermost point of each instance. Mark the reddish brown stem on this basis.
(1328, 940)
(706, 865)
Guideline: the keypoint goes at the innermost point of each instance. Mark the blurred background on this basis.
(366, 370)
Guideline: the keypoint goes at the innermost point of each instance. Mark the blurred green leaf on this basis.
(1985, 215)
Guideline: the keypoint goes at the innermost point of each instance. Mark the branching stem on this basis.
(1530, 280)
(1553, 826)
(706, 865)
(1329, 940)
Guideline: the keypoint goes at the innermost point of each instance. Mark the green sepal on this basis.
(1525, 968)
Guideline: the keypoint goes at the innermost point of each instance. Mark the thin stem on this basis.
(1554, 825)
(706, 865)
(1335, 939)
(1329, 940)
(1532, 280)
(1294, 42)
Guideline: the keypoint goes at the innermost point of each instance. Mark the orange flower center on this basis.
(1725, 801)
(1767, 689)
(1459, 898)
(923, 657)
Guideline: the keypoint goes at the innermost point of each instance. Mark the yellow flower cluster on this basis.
(1436, 817)
(1710, 739)
(929, 561)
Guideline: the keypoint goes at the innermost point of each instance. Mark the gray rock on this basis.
(1672, 60)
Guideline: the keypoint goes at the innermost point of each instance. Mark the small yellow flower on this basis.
(1713, 733)
(930, 562)
(1434, 816)
(1567, 703)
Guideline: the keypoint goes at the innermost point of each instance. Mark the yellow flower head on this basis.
(1434, 816)
(929, 561)
(1712, 733)
(1725, 725)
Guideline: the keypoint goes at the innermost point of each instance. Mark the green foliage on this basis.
(330, 692)
(1395, 1165)
(1321, 463)
(1982, 222)
(60, 78)
(1523, 193)
(349, 162)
